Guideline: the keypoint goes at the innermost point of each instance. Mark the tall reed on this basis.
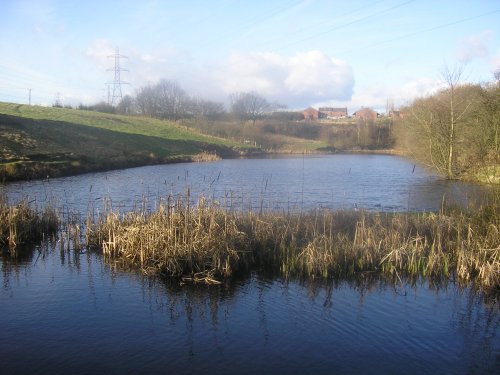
(182, 240)
(22, 224)
(174, 240)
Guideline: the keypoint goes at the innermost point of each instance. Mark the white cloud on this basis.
(378, 96)
(474, 47)
(139, 67)
(261, 72)
(419, 88)
(296, 81)
(99, 50)
(314, 73)
(373, 97)
(147, 57)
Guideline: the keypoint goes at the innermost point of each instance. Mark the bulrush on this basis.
(22, 224)
(205, 242)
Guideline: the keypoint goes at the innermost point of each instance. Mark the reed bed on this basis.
(205, 242)
(205, 156)
(22, 224)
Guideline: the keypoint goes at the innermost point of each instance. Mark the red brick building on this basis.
(395, 114)
(333, 113)
(324, 112)
(366, 114)
(311, 114)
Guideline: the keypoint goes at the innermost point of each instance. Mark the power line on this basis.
(424, 31)
(14, 73)
(13, 88)
(329, 21)
(13, 85)
(13, 96)
(117, 83)
(250, 22)
(346, 24)
(10, 88)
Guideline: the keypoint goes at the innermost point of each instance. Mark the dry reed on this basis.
(206, 242)
(205, 156)
(21, 224)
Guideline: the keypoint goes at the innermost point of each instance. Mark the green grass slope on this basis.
(39, 141)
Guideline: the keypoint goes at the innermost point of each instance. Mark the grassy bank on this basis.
(207, 242)
(22, 224)
(39, 141)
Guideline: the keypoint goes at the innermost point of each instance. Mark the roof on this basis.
(332, 109)
(365, 110)
(310, 109)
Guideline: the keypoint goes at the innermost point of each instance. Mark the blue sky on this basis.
(295, 52)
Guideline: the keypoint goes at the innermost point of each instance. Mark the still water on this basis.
(65, 311)
(372, 182)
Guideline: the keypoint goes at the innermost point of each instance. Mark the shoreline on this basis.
(20, 171)
(33, 170)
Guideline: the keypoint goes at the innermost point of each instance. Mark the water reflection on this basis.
(406, 321)
(88, 311)
(67, 310)
(373, 182)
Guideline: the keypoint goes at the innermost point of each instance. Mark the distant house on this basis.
(395, 114)
(324, 112)
(311, 114)
(333, 113)
(366, 114)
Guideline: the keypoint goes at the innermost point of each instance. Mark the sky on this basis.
(298, 53)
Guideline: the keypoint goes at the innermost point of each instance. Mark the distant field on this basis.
(39, 141)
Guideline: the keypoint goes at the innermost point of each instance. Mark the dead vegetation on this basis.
(22, 224)
(207, 242)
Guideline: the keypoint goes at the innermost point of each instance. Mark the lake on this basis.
(371, 182)
(66, 311)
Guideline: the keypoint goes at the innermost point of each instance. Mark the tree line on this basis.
(455, 130)
(167, 100)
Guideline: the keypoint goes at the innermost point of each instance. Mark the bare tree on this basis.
(497, 76)
(126, 105)
(165, 100)
(457, 110)
(147, 101)
(104, 107)
(248, 105)
(276, 106)
(172, 99)
(489, 117)
(443, 130)
(207, 109)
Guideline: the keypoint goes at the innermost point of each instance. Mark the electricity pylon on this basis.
(117, 83)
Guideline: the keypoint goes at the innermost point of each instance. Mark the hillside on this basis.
(39, 141)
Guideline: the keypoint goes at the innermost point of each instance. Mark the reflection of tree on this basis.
(262, 287)
(363, 284)
(478, 323)
(195, 301)
(194, 304)
(15, 265)
(196, 318)
(445, 194)
(216, 304)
